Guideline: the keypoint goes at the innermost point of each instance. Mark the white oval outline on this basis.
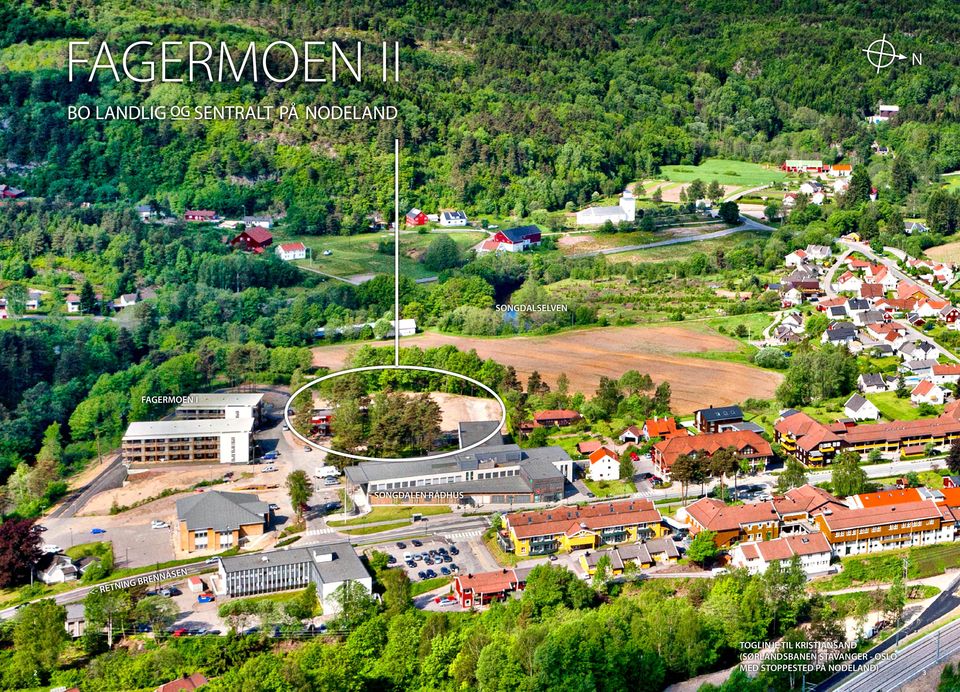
(373, 368)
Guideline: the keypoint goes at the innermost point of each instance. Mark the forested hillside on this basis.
(503, 107)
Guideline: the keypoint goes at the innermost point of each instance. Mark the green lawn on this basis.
(421, 587)
(608, 488)
(726, 172)
(357, 254)
(366, 530)
(390, 513)
(684, 251)
(893, 408)
(926, 561)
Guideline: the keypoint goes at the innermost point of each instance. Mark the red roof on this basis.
(709, 443)
(205, 213)
(292, 247)
(569, 520)
(555, 414)
(488, 582)
(786, 547)
(946, 369)
(600, 454)
(490, 245)
(184, 684)
(663, 427)
(589, 446)
(884, 514)
(923, 388)
(888, 497)
(714, 515)
(258, 235)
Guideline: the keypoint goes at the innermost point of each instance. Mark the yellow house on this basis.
(564, 529)
(217, 520)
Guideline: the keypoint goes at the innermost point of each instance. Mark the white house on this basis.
(146, 212)
(795, 259)
(126, 300)
(33, 300)
(604, 465)
(60, 569)
(264, 222)
(453, 218)
(812, 548)
(291, 251)
(633, 434)
(848, 282)
(810, 187)
(873, 383)
(911, 227)
(73, 303)
(818, 252)
(946, 374)
(927, 393)
(859, 408)
(597, 216)
(883, 114)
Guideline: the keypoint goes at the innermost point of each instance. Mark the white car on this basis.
(268, 469)
(50, 548)
(157, 524)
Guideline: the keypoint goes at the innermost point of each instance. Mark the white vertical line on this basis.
(396, 252)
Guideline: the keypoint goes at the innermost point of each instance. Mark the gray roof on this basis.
(216, 400)
(344, 565)
(221, 511)
(856, 402)
(747, 426)
(171, 428)
(720, 413)
(919, 365)
(472, 432)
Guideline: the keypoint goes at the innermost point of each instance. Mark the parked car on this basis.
(211, 561)
(406, 556)
(421, 575)
(445, 571)
(270, 468)
(634, 456)
(454, 550)
(269, 456)
(445, 600)
(391, 560)
(274, 506)
(97, 531)
(411, 564)
(553, 558)
(431, 574)
(181, 632)
(308, 449)
(169, 591)
(330, 480)
(401, 545)
(50, 548)
(454, 568)
(416, 543)
(39, 528)
(228, 475)
(205, 597)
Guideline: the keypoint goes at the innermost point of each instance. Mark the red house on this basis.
(555, 417)
(7, 192)
(486, 587)
(517, 239)
(415, 217)
(200, 215)
(950, 314)
(253, 239)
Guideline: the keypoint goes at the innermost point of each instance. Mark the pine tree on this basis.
(88, 299)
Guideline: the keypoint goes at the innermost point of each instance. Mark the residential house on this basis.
(717, 418)
(483, 588)
(797, 258)
(513, 239)
(567, 528)
(73, 303)
(837, 312)
(911, 227)
(926, 392)
(33, 301)
(918, 368)
(804, 166)
(859, 408)
(641, 555)
(873, 383)
(556, 418)
(626, 210)
(76, 621)
(806, 439)
(125, 300)
(217, 520)
(633, 434)
(416, 217)
(870, 317)
(264, 222)
(810, 187)
(883, 114)
(758, 521)
(254, 239)
(745, 443)
(930, 308)
(604, 465)
(187, 683)
(146, 212)
(848, 281)
(946, 374)
(919, 350)
(951, 481)
(585, 448)
(819, 253)
(872, 291)
(201, 215)
(452, 219)
(841, 170)
(60, 569)
(7, 192)
(291, 251)
(839, 333)
(662, 427)
(757, 556)
(783, 335)
(949, 314)
(908, 289)
(887, 527)
(857, 305)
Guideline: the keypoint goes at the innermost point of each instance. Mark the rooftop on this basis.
(173, 428)
(221, 511)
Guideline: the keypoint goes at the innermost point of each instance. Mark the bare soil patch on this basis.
(944, 253)
(587, 355)
(456, 408)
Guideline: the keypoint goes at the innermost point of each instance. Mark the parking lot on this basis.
(458, 558)
(135, 545)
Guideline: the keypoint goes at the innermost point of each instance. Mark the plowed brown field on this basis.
(589, 354)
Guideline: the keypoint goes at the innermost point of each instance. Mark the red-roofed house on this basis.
(747, 444)
(485, 587)
(291, 251)
(588, 447)
(926, 392)
(887, 527)
(415, 217)
(663, 427)
(943, 373)
(555, 417)
(604, 465)
(908, 289)
(7, 192)
(758, 521)
(812, 549)
(185, 684)
(254, 239)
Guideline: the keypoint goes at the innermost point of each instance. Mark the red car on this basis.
(180, 632)
(634, 456)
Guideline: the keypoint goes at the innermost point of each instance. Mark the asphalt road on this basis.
(112, 476)
(872, 681)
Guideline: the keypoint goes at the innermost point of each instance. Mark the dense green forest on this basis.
(503, 107)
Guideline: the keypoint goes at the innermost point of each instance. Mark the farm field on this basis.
(726, 172)
(949, 252)
(587, 355)
(357, 254)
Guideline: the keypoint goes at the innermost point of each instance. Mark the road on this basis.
(746, 224)
(111, 477)
(891, 673)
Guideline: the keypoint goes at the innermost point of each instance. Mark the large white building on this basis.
(168, 442)
(604, 465)
(597, 216)
(453, 218)
(204, 405)
(812, 549)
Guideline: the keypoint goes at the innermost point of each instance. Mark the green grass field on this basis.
(390, 513)
(893, 408)
(926, 561)
(367, 530)
(726, 172)
(357, 254)
(421, 587)
(611, 488)
(684, 251)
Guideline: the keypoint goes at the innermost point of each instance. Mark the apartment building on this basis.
(813, 549)
(211, 441)
(887, 527)
(563, 529)
(217, 520)
(204, 405)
